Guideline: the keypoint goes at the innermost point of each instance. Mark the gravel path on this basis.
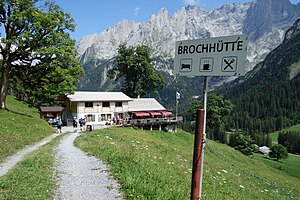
(81, 176)
(11, 161)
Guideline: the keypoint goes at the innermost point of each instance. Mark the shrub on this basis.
(278, 152)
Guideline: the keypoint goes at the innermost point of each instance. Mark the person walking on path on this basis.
(81, 176)
(74, 124)
(58, 124)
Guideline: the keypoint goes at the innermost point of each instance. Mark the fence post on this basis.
(197, 156)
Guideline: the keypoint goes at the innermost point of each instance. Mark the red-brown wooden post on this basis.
(197, 157)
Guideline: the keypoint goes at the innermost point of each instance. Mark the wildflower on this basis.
(242, 186)
(223, 170)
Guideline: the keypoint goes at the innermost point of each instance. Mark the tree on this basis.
(268, 141)
(218, 108)
(278, 152)
(134, 69)
(232, 139)
(290, 140)
(37, 50)
(194, 106)
(244, 144)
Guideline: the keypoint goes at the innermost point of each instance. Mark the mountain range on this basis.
(264, 21)
(268, 97)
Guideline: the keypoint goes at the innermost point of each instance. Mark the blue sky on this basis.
(94, 16)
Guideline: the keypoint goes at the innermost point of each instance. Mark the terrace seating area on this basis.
(147, 113)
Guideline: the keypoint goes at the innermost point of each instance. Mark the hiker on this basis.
(74, 124)
(81, 123)
(58, 124)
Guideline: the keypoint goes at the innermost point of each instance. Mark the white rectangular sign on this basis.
(220, 56)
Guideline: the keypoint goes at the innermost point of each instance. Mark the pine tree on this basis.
(268, 141)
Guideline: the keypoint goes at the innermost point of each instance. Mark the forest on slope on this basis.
(268, 97)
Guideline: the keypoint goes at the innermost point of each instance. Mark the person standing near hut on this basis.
(58, 124)
(74, 124)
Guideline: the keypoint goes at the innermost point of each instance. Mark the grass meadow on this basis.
(291, 165)
(20, 126)
(158, 165)
(34, 177)
(148, 164)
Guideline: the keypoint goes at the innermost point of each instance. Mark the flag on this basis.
(177, 95)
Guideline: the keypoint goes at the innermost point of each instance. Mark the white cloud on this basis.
(191, 2)
(136, 10)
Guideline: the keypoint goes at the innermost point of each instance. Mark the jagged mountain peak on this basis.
(162, 11)
(265, 21)
(192, 9)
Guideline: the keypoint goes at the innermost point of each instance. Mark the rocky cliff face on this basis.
(264, 21)
(263, 16)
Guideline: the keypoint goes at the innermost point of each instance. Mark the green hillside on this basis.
(274, 135)
(20, 126)
(268, 97)
(157, 165)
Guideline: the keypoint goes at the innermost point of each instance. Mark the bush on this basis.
(244, 144)
(278, 152)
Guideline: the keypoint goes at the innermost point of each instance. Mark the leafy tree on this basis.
(194, 106)
(218, 108)
(244, 144)
(278, 152)
(37, 51)
(134, 69)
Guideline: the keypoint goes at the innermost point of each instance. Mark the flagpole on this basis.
(176, 109)
(177, 97)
